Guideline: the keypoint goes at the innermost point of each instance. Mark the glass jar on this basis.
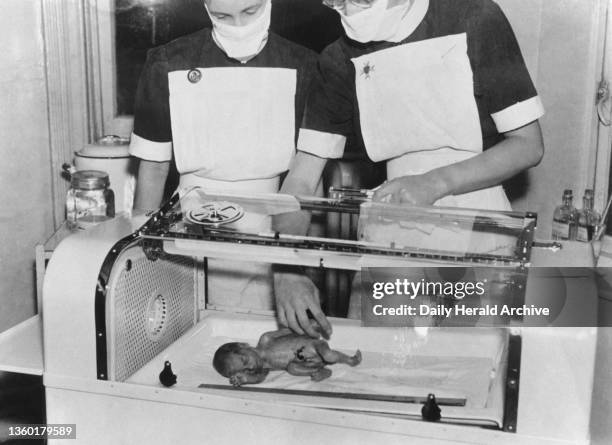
(89, 200)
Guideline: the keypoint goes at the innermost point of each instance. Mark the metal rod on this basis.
(338, 395)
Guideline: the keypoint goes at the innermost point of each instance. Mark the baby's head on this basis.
(231, 358)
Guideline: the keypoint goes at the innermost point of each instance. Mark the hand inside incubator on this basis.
(299, 355)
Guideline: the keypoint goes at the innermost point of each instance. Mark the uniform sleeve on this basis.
(152, 135)
(328, 117)
(500, 71)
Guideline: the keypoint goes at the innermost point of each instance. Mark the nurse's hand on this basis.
(295, 295)
(418, 190)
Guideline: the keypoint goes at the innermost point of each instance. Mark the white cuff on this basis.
(323, 145)
(518, 115)
(150, 151)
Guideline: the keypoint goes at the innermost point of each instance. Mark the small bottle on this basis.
(588, 218)
(565, 219)
(89, 200)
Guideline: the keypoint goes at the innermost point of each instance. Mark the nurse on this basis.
(436, 88)
(226, 104)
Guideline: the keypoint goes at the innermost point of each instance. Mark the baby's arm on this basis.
(249, 377)
(269, 336)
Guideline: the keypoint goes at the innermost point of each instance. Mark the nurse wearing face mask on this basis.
(225, 103)
(436, 88)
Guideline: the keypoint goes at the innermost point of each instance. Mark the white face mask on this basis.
(241, 42)
(376, 23)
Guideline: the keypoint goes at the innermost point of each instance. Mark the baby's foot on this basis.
(356, 359)
(321, 374)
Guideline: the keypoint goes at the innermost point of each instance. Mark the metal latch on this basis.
(552, 245)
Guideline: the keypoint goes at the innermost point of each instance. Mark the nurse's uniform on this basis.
(443, 91)
(231, 127)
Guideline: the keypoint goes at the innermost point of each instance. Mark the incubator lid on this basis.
(395, 232)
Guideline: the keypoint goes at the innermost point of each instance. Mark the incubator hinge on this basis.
(153, 249)
(513, 373)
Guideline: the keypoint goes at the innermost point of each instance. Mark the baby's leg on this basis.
(316, 372)
(321, 374)
(330, 356)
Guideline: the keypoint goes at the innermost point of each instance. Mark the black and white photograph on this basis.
(306, 222)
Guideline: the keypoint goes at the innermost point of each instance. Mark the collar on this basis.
(413, 18)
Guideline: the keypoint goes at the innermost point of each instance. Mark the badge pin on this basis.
(367, 70)
(194, 75)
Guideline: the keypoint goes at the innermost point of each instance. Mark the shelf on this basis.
(21, 348)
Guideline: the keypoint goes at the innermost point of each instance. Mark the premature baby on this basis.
(299, 355)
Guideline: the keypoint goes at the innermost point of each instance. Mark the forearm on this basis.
(302, 179)
(520, 150)
(256, 376)
(304, 175)
(150, 184)
(295, 294)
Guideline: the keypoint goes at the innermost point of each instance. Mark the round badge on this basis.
(194, 76)
(215, 213)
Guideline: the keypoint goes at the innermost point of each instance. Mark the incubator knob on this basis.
(167, 377)
(431, 410)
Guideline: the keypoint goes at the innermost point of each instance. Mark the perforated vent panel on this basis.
(150, 304)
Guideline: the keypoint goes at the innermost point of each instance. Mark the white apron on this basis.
(233, 130)
(418, 112)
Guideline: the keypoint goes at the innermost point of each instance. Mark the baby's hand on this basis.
(237, 380)
(248, 376)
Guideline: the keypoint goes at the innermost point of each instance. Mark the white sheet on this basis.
(460, 363)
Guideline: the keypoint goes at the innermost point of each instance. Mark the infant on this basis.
(299, 355)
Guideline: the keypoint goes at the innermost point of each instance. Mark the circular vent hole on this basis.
(157, 312)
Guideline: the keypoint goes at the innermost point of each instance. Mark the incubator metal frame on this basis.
(169, 223)
(163, 226)
(75, 343)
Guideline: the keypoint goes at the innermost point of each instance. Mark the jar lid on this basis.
(106, 147)
(89, 180)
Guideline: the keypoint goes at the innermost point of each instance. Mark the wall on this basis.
(559, 39)
(25, 174)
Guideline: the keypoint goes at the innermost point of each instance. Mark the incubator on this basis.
(125, 298)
